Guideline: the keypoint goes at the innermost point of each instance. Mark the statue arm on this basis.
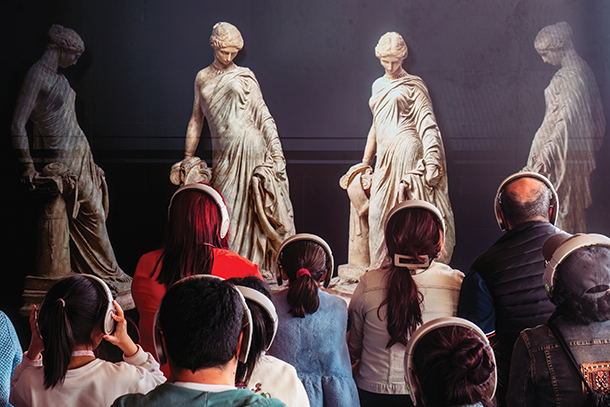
(371, 146)
(195, 125)
(434, 153)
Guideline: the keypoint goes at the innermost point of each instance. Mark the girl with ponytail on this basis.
(312, 323)
(60, 367)
(389, 303)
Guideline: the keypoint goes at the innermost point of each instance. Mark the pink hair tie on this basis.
(63, 303)
(303, 272)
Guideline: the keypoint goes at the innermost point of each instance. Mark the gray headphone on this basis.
(108, 324)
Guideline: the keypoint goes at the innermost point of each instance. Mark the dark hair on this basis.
(516, 211)
(576, 308)
(454, 367)
(303, 291)
(62, 327)
(192, 233)
(262, 327)
(414, 232)
(201, 318)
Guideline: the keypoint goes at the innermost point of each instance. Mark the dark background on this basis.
(315, 63)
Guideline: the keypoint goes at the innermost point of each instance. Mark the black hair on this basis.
(201, 318)
(303, 291)
(454, 366)
(517, 212)
(581, 309)
(262, 327)
(72, 309)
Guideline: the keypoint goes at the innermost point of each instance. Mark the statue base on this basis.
(36, 287)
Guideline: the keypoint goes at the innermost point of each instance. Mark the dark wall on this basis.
(315, 63)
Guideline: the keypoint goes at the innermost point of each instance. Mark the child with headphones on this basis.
(312, 323)
(262, 373)
(60, 367)
(389, 303)
(196, 242)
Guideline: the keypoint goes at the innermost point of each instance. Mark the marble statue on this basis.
(573, 128)
(410, 157)
(248, 165)
(47, 100)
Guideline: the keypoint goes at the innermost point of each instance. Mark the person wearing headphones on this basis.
(567, 360)
(312, 323)
(60, 367)
(503, 292)
(204, 330)
(262, 373)
(449, 362)
(196, 242)
(389, 303)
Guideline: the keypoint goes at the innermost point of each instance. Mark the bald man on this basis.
(503, 292)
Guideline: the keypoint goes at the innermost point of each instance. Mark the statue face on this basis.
(552, 57)
(68, 58)
(391, 64)
(225, 56)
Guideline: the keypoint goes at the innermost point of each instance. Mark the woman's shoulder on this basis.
(229, 264)
(147, 263)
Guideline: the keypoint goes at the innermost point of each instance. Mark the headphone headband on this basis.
(413, 204)
(246, 325)
(425, 329)
(265, 303)
(554, 204)
(108, 323)
(560, 247)
(312, 238)
(215, 195)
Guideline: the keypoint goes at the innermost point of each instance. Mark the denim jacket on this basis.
(541, 373)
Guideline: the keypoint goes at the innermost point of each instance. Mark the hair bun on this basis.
(471, 359)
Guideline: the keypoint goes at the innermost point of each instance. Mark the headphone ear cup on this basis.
(158, 340)
(109, 322)
(247, 330)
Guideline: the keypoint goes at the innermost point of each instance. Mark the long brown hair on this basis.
(414, 232)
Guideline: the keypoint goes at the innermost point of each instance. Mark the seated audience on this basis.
(262, 373)
(10, 356)
(60, 367)
(503, 292)
(577, 279)
(389, 303)
(196, 242)
(449, 362)
(312, 323)
(203, 323)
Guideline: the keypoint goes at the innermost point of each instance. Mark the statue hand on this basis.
(432, 175)
(279, 167)
(28, 176)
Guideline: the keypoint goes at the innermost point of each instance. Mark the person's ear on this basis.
(506, 225)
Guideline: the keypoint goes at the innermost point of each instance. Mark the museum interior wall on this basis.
(315, 63)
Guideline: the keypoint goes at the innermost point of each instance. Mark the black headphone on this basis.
(554, 204)
(246, 327)
(312, 238)
(108, 323)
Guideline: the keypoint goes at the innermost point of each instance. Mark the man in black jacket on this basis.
(503, 293)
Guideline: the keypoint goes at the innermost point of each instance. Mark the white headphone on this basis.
(265, 303)
(402, 260)
(554, 204)
(425, 329)
(569, 245)
(246, 326)
(108, 323)
(224, 212)
(312, 238)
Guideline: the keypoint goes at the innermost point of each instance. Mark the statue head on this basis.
(391, 44)
(65, 39)
(226, 35)
(552, 41)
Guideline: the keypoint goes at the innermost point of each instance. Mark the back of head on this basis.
(65, 38)
(194, 230)
(525, 199)
(201, 319)
(554, 37)
(582, 286)
(411, 232)
(262, 326)
(454, 366)
(305, 262)
(72, 310)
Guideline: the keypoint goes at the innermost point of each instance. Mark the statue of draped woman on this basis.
(572, 130)
(248, 166)
(405, 138)
(47, 100)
